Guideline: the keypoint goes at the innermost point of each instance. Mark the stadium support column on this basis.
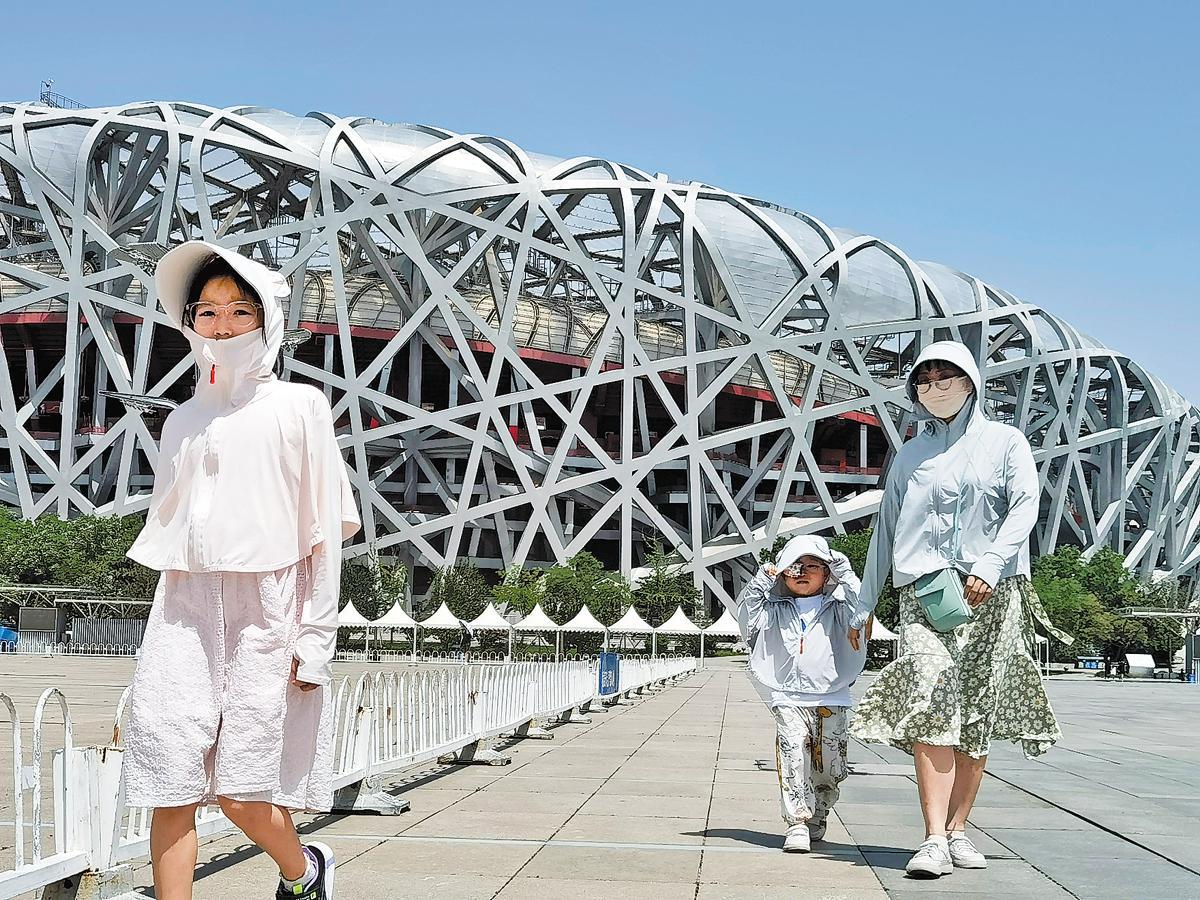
(862, 445)
(411, 472)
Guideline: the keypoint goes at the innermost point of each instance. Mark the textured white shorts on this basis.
(212, 713)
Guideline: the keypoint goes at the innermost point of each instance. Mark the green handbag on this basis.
(941, 593)
(942, 599)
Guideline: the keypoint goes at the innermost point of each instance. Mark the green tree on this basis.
(1076, 611)
(1122, 636)
(1105, 576)
(85, 551)
(667, 585)
(461, 587)
(373, 586)
(565, 589)
(519, 589)
(1164, 637)
(856, 545)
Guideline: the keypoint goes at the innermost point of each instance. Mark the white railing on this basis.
(26, 648)
(639, 673)
(385, 722)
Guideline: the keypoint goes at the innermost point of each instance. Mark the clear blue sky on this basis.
(1050, 148)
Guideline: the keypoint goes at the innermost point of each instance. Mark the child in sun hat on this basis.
(793, 615)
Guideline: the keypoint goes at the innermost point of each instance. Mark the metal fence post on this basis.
(89, 799)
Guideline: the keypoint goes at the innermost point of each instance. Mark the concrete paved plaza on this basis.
(675, 796)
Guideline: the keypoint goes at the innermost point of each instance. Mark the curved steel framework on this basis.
(528, 355)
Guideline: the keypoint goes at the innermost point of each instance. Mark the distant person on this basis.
(793, 615)
(231, 700)
(960, 501)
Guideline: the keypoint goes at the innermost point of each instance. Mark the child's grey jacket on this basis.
(771, 625)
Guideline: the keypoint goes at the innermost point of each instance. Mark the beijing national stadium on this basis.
(528, 356)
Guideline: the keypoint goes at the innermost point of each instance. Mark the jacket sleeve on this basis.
(847, 580)
(750, 608)
(879, 554)
(337, 520)
(1022, 492)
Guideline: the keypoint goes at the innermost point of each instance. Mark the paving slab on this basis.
(674, 796)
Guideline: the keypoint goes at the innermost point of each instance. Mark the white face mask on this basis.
(946, 404)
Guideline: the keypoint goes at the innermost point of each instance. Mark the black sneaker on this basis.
(322, 886)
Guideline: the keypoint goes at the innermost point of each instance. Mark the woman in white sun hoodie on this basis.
(962, 494)
(251, 503)
(794, 614)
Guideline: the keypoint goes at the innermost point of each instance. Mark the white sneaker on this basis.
(816, 830)
(964, 854)
(932, 860)
(797, 840)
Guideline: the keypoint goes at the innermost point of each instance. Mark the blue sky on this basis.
(1049, 148)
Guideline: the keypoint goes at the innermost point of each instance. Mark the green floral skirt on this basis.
(965, 687)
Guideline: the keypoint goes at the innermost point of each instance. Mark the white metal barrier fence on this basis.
(73, 648)
(385, 722)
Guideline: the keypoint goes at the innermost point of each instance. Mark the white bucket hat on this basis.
(807, 545)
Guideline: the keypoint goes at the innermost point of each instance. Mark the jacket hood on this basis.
(246, 357)
(952, 352)
(807, 545)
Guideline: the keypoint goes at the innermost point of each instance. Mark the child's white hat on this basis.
(807, 545)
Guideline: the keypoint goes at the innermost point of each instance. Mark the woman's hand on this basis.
(303, 685)
(976, 591)
(853, 635)
(770, 569)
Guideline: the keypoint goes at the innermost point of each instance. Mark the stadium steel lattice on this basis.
(528, 355)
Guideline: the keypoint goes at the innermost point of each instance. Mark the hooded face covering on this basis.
(947, 404)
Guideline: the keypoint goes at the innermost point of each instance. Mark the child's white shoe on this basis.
(797, 839)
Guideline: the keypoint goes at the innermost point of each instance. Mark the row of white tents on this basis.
(632, 623)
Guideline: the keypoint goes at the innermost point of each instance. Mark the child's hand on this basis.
(303, 685)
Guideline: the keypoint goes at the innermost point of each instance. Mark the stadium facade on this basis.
(529, 356)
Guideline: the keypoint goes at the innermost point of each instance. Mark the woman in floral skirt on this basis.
(962, 495)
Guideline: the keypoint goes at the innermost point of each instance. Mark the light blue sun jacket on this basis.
(974, 472)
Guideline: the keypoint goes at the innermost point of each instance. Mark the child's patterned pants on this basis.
(810, 756)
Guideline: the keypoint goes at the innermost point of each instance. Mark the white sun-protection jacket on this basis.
(249, 475)
(974, 471)
(770, 619)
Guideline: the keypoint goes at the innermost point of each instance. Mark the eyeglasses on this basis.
(806, 569)
(239, 309)
(942, 384)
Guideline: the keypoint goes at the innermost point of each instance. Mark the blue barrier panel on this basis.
(610, 673)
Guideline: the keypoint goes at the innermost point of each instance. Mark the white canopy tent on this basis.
(491, 620)
(678, 624)
(725, 627)
(442, 619)
(396, 617)
(880, 632)
(349, 617)
(630, 623)
(583, 622)
(537, 620)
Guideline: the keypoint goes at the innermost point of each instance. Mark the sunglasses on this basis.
(806, 569)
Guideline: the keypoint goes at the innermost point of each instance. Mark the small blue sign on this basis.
(610, 673)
